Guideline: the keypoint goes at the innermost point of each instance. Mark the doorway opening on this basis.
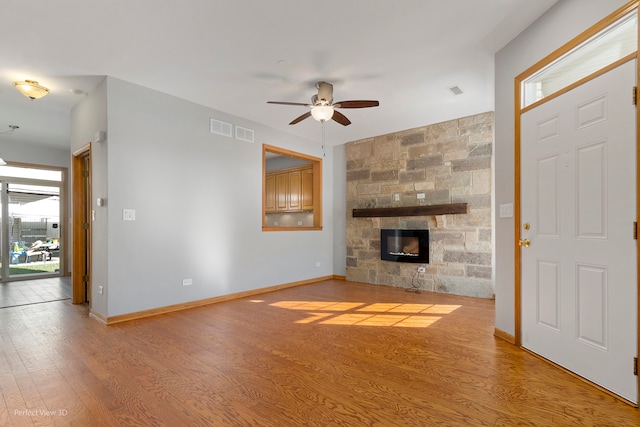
(33, 246)
(33, 216)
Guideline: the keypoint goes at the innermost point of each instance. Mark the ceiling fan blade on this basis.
(340, 118)
(301, 118)
(356, 104)
(289, 103)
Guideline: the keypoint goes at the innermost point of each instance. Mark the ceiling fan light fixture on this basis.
(322, 113)
(31, 89)
(323, 108)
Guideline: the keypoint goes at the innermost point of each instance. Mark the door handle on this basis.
(524, 242)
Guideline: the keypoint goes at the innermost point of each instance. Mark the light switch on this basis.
(128, 214)
(506, 210)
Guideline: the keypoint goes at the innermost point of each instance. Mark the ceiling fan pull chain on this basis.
(323, 153)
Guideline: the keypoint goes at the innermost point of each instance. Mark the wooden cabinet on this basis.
(270, 193)
(307, 189)
(289, 190)
(282, 190)
(295, 186)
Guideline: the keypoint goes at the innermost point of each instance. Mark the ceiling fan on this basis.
(322, 107)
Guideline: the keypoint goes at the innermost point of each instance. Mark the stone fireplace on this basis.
(445, 164)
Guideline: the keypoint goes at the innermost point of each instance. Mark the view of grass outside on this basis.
(49, 267)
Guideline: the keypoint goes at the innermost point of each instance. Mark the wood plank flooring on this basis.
(328, 354)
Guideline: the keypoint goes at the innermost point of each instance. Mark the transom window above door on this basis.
(614, 43)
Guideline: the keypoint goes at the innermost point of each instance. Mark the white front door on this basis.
(578, 206)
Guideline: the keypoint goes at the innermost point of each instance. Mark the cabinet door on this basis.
(295, 190)
(282, 192)
(270, 193)
(307, 189)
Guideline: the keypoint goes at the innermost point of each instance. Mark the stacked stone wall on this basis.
(449, 162)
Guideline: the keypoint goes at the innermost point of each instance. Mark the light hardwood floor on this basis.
(328, 354)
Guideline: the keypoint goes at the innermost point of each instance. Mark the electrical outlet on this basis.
(100, 290)
(421, 269)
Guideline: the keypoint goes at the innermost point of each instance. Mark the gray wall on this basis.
(564, 21)
(198, 201)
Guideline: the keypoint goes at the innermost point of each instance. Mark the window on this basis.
(606, 47)
(291, 190)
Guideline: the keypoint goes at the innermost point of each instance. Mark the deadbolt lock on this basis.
(527, 226)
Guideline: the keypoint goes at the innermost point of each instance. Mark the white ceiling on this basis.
(234, 55)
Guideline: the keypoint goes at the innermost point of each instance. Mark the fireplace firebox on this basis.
(404, 245)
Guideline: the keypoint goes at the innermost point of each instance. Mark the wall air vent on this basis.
(221, 128)
(455, 90)
(244, 134)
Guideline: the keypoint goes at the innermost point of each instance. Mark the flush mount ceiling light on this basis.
(31, 89)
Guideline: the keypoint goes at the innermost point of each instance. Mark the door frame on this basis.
(518, 110)
(81, 247)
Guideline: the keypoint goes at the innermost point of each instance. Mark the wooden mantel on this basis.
(446, 209)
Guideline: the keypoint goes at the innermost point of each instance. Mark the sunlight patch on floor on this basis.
(377, 314)
(317, 305)
(411, 308)
(380, 307)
